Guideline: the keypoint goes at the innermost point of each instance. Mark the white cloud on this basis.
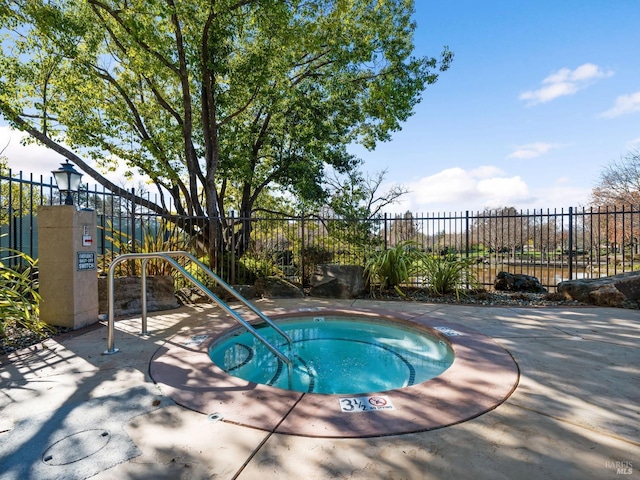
(559, 195)
(39, 160)
(445, 186)
(565, 82)
(486, 171)
(456, 189)
(531, 150)
(583, 73)
(30, 158)
(549, 93)
(501, 192)
(624, 104)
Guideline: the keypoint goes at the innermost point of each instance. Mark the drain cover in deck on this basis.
(76, 447)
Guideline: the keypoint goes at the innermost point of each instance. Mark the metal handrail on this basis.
(229, 289)
(167, 256)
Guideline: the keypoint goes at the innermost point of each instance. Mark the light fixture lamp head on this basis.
(68, 181)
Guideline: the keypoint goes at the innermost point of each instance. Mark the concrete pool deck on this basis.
(67, 411)
(482, 375)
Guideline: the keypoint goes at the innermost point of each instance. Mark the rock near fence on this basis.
(622, 290)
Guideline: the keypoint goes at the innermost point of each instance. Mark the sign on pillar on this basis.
(67, 260)
(87, 239)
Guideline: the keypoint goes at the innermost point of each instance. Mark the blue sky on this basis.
(540, 97)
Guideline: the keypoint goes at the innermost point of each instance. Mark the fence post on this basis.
(302, 262)
(466, 237)
(385, 232)
(232, 267)
(622, 237)
(133, 220)
(13, 239)
(570, 257)
(31, 217)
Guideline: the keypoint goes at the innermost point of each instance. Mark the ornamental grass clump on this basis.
(447, 274)
(390, 268)
(19, 297)
(160, 236)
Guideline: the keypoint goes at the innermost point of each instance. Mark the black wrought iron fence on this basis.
(118, 220)
(552, 245)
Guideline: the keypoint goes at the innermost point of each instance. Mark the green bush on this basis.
(19, 297)
(449, 274)
(391, 267)
(250, 267)
(164, 236)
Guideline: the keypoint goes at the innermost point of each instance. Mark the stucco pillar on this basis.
(67, 261)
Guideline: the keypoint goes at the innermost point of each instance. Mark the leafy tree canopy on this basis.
(209, 97)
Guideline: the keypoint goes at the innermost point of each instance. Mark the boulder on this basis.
(246, 291)
(622, 290)
(338, 281)
(193, 295)
(276, 287)
(517, 282)
(128, 294)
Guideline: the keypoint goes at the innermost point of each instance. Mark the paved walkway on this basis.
(69, 412)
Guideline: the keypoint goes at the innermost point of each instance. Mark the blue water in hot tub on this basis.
(336, 355)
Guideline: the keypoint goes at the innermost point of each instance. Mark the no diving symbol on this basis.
(377, 401)
(365, 404)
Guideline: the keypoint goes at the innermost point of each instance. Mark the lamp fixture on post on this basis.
(68, 181)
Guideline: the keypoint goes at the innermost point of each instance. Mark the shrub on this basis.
(391, 267)
(19, 297)
(163, 236)
(250, 267)
(449, 274)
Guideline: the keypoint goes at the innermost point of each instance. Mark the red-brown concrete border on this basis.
(481, 377)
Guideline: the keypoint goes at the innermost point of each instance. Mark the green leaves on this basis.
(157, 235)
(440, 274)
(200, 95)
(392, 267)
(19, 297)
(444, 274)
